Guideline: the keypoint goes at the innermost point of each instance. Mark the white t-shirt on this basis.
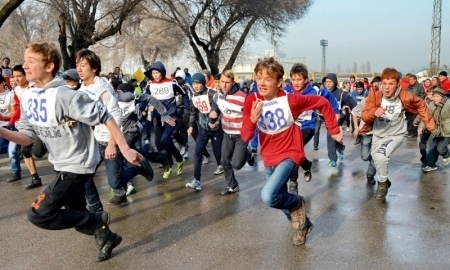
(6, 101)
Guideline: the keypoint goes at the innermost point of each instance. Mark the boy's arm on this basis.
(248, 127)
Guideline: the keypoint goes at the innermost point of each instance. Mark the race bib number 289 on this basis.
(36, 110)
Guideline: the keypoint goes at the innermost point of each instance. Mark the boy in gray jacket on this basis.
(62, 119)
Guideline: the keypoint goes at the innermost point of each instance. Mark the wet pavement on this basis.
(167, 226)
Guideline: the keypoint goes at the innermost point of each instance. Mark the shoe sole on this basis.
(307, 176)
(194, 188)
(31, 187)
(147, 169)
(218, 173)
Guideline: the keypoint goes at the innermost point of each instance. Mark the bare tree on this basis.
(8, 9)
(362, 68)
(214, 26)
(339, 68)
(368, 68)
(83, 23)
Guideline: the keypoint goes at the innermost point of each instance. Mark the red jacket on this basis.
(289, 143)
(16, 115)
(446, 85)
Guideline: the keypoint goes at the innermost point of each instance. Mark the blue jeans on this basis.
(274, 192)
(366, 147)
(118, 175)
(3, 146)
(438, 144)
(163, 141)
(14, 157)
(203, 137)
(254, 141)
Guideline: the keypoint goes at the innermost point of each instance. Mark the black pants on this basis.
(234, 156)
(66, 190)
(307, 135)
(412, 130)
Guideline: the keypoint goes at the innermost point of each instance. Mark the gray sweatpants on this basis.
(382, 148)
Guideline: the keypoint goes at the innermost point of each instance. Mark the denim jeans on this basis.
(366, 146)
(254, 140)
(3, 146)
(203, 137)
(317, 131)
(234, 155)
(117, 174)
(438, 144)
(274, 192)
(332, 147)
(163, 141)
(14, 156)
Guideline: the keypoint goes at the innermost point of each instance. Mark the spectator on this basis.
(6, 71)
(188, 78)
(445, 82)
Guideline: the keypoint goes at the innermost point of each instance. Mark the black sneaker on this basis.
(307, 175)
(113, 241)
(316, 148)
(35, 182)
(146, 170)
(370, 180)
(229, 190)
(15, 176)
(250, 158)
(101, 231)
(118, 200)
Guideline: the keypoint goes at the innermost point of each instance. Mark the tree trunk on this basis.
(8, 9)
(240, 43)
(62, 39)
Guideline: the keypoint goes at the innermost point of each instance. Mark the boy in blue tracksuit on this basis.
(300, 85)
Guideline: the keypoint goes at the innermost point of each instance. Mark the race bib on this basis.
(227, 108)
(305, 116)
(39, 106)
(393, 109)
(276, 116)
(127, 108)
(162, 91)
(6, 100)
(201, 102)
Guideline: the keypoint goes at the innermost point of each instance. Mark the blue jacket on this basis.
(310, 90)
(339, 94)
(359, 97)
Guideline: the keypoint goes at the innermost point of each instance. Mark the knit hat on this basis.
(439, 91)
(199, 77)
(71, 74)
(126, 87)
(443, 73)
(180, 74)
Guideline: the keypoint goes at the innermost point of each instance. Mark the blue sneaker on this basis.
(340, 154)
(332, 163)
(195, 184)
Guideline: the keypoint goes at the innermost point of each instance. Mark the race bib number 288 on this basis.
(36, 110)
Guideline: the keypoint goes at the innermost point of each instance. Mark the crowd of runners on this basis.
(85, 118)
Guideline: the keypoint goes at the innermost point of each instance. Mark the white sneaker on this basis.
(131, 189)
(182, 150)
(219, 170)
(445, 161)
(205, 160)
(195, 184)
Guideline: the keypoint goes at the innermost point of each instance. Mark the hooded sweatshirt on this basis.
(307, 119)
(343, 98)
(62, 119)
(165, 91)
(101, 90)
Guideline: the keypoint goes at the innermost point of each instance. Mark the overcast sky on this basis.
(393, 33)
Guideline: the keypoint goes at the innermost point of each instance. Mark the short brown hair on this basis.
(92, 58)
(273, 68)
(299, 69)
(390, 73)
(49, 52)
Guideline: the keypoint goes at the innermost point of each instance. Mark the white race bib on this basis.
(276, 116)
(127, 108)
(393, 109)
(39, 105)
(6, 100)
(162, 91)
(305, 116)
(227, 108)
(201, 102)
